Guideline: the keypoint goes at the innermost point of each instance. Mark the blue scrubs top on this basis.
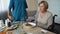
(19, 9)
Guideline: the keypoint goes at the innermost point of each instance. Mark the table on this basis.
(34, 30)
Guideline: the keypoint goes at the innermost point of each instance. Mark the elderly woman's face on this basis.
(42, 7)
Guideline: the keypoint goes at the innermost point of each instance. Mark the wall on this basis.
(4, 5)
(32, 4)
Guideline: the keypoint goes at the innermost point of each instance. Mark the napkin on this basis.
(44, 31)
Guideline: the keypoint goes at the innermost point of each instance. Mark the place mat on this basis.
(37, 30)
(18, 32)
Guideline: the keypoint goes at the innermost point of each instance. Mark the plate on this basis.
(33, 24)
(28, 27)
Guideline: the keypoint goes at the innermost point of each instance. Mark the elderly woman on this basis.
(43, 17)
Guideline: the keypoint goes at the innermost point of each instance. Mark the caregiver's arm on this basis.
(9, 10)
(26, 6)
(10, 15)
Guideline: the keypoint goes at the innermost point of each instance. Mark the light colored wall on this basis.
(54, 7)
(4, 5)
(32, 4)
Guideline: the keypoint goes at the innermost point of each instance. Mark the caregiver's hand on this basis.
(10, 17)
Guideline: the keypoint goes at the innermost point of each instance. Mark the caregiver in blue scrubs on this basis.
(17, 10)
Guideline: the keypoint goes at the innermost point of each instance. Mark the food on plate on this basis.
(28, 24)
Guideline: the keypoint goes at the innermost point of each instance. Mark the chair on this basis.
(51, 27)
